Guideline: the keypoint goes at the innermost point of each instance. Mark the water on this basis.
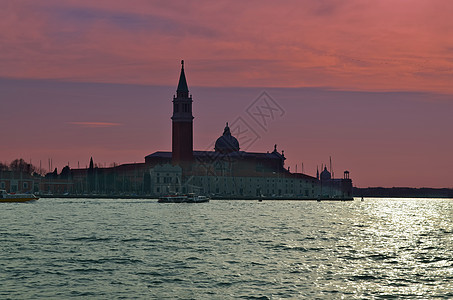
(104, 249)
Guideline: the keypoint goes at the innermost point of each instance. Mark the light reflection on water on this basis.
(378, 248)
(405, 247)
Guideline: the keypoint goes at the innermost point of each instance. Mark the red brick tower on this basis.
(182, 123)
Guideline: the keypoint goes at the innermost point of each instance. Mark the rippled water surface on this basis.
(103, 249)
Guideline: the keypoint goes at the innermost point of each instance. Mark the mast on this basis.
(330, 167)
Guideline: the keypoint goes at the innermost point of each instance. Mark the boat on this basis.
(189, 198)
(6, 197)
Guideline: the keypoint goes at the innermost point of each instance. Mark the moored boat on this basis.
(6, 197)
(190, 198)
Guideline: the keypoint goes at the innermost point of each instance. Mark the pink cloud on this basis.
(385, 45)
(94, 124)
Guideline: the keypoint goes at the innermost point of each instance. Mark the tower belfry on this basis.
(182, 122)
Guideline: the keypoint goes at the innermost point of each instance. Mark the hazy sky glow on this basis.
(366, 82)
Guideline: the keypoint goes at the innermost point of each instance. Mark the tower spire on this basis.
(182, 90)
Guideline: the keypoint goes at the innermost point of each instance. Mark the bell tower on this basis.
(182, 122)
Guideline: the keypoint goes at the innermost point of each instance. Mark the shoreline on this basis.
(211, 198)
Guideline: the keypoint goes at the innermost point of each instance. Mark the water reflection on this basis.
(401, 248)
(378, 248)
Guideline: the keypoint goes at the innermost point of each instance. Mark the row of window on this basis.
(167, 180)
(186, 107)
(3, 185)
(250, 180)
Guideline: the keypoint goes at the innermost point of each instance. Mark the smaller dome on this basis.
(226, 143)
(325, 175)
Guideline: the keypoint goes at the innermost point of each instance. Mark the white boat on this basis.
(198, 199)
(6, 197)
(190, 198)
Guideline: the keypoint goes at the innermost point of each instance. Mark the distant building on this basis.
(17, 181)
(224, 172)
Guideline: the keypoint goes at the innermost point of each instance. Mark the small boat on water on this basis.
(190, 198)
(6, 197)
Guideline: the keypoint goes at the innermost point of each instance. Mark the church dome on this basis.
(226, 143)
(325, 175)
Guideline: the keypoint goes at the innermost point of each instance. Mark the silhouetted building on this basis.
(224, 172)
(227, 171)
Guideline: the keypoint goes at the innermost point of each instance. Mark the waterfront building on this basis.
(227, 171)
(224, 172)
(17, 181)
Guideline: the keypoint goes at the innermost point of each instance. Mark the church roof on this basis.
(213, 154)
(161, 154)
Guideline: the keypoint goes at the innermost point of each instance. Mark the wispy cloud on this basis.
(94, 124)
(380, 45)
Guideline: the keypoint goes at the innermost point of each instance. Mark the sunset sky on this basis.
(368, 83)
